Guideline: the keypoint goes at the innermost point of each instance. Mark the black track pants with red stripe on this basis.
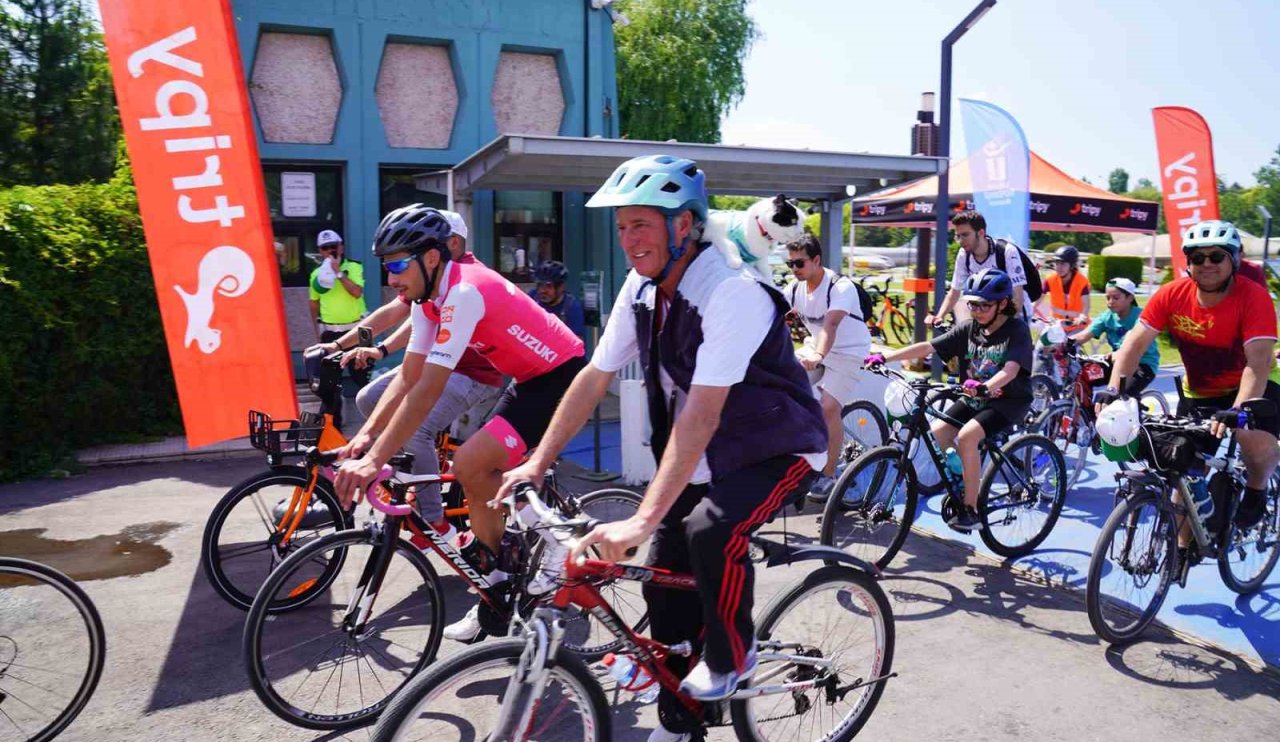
(706, 532)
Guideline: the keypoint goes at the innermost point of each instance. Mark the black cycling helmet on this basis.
(988, 285)
(551, 271)
(415, 229)
(1067, 254)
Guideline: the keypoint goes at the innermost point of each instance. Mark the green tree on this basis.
(1118, 180)
(1090, 242)
(680, 67)
(1268, 177)
(58, 121)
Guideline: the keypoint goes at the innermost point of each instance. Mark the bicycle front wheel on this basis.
(1021, 495)
(838, 615)
(584, 634)
(336, 661)
(1153, 403)
(1131, 569)
(44, 684)
(1064, 423)
(246, 537)
(462, 698)
(871, 507)
(1250, 554)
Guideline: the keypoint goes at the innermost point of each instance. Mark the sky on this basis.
(1080, 76)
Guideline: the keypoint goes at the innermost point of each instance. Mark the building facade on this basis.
(351, 98)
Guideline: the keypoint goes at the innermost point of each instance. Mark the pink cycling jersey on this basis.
(485, 312)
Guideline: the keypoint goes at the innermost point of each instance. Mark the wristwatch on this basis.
(382, 348)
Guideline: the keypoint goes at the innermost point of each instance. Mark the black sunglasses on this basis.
(797, 263)
(1215, 257)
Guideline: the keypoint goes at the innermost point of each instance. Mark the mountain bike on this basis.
(1069, 420)
(370, 611)
(825, 650)
(894, 323)
(45, 683)
(873, 503)
(1137, 557)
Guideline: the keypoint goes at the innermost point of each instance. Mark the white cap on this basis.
(328, 237)
(458, 226)
(1124, 284)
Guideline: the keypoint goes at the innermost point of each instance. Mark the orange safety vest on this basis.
(1071, 300)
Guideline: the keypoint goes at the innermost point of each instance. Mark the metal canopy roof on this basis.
(517, 162)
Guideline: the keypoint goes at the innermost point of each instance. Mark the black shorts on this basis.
(1205, 406)
(994, 415)
(1140, 380)
(524, 410)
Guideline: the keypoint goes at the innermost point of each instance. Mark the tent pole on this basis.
(1151, 282)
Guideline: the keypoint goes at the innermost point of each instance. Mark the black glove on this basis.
(1232, 418)
(1106, 395)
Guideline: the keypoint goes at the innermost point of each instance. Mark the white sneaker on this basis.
(466, 629)
(660, 734)
(550, 568)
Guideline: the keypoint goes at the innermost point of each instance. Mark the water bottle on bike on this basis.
(955, 468)
(631, 676)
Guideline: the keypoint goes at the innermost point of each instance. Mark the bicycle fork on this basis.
(543, 633)
(360, 605)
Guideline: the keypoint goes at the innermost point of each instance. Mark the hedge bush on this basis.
(85, 360)
(1103, 268)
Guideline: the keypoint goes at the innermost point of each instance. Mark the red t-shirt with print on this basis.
(1212, 339)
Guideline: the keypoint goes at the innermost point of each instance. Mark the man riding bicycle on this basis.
(1226, 331)
(474, 382)
(995, 346)
(461, 306)
(714, 347)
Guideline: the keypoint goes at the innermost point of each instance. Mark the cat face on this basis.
(779, 217)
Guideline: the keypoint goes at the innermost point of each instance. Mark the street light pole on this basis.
(1266, 232)
(943, 206)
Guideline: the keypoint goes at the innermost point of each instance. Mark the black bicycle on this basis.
(1137, 558)
(45, 683)
(873, 503)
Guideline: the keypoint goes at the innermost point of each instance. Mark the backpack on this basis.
(865, 303)
(1034, 287)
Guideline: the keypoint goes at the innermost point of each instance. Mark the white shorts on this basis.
(837, 375)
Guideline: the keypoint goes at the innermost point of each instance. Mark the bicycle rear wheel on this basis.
(462, 698)
(314, 666)
(1021, 495)
(871, 507)
(1251, 554)
(45, 684)
(864, 427)
(1131, 569)
(583, 632)
(840, 615)
(1064, 423)
(242, 542)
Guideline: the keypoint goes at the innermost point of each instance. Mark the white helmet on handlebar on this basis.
(1118, 426)
(898, 399)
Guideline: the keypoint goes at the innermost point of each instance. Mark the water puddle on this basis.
(133, 551)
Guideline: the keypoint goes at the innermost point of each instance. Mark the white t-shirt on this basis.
(735, 321)
(852, 336)
(967, 265)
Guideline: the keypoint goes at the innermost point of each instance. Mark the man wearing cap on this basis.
(337, 297)
(1121, 315)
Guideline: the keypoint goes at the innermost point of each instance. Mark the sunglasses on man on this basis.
(1215, 257)
(797, 263)
(396, 267)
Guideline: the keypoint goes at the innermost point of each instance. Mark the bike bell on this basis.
(1118, 427)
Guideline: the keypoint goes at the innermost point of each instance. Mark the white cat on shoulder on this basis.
(748, 236)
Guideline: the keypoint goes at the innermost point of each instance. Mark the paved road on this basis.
(983, 652)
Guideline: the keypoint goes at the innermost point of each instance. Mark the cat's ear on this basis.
(779, 200)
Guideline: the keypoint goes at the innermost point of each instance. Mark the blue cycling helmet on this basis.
(669, 184)
(551, 271)
(988, 285)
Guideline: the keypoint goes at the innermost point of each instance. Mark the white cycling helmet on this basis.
(1213, 233)
(1118, 426)
(898, 398)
